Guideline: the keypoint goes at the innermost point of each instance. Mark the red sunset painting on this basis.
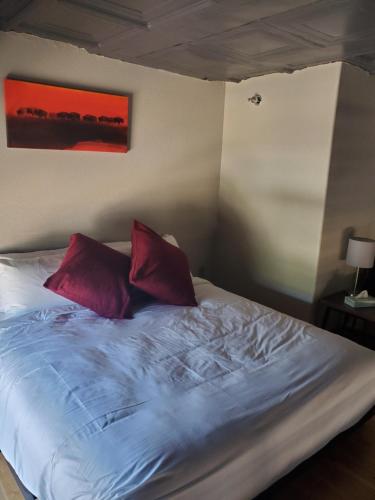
(49, 117)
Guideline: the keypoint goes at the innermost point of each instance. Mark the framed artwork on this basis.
(51, 117)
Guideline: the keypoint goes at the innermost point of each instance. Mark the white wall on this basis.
(350, 200)
(169, 179)
(274, 173)
(286, 204)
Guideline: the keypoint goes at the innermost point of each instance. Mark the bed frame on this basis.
(9, 489)
(10, 486)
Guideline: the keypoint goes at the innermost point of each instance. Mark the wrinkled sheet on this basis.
(213, 402)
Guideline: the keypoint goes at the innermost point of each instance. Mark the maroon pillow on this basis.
(94, 276)
(159, 268)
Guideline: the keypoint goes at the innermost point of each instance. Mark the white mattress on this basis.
(214, 402)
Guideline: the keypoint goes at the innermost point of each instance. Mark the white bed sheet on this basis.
(214, 402)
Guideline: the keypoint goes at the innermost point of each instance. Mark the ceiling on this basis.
(211, 39)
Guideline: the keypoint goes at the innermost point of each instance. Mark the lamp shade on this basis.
(361, 252)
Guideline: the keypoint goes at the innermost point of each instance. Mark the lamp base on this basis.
(354, 302)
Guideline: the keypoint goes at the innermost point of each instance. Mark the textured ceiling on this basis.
(210, 39)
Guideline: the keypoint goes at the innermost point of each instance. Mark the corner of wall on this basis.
(274, 169)
(317, 284)
(169, 178)
(211, 272)
(349, 201)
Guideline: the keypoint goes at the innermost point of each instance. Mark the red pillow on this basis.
(159, 268)
(94, 276)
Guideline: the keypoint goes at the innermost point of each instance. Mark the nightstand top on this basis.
(336, 301)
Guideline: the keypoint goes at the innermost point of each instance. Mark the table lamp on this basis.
(360, 254)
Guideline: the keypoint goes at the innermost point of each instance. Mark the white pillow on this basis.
(171, 239)
(22, 276)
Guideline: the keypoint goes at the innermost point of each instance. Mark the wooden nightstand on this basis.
(357, 324)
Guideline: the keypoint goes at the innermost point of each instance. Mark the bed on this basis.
(214, 402)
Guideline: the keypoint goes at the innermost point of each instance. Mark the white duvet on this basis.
(213, 402)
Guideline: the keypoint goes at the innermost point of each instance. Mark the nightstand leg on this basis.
(364, 326)
(342, 326)
(325, 317)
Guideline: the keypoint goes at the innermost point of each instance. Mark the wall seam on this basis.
(327, 183)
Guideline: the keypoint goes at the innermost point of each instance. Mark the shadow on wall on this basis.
(114, 224)
(341, 278)
(235, 267)
(182, 221)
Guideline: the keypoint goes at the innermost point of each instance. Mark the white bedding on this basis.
(213, 402)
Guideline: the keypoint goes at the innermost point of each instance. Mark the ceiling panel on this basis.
(9, 9)
(330, 21)
(365, 61)
(206, 64)
(64, 22)
(116, 12)
(212, 39)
